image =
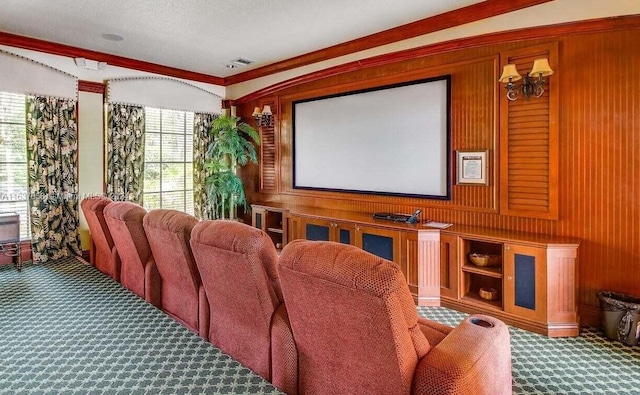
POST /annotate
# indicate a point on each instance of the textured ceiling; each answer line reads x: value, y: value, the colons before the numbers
x: 204, y: 35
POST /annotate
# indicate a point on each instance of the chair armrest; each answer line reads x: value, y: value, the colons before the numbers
x: 116, y: 263
x: 435, y: 332
x: 92, y: 252
x: 284, y: 354
x: 472, y: 359
x: 152, y: 284
x: 203, y: 313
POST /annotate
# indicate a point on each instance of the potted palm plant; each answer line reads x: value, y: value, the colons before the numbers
x: 232, y: 147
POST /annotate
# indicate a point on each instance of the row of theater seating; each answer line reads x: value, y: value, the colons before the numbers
x: 322, y: 318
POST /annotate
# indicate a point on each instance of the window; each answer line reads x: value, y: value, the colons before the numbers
x: 13, y: 159
x: 168, y: 160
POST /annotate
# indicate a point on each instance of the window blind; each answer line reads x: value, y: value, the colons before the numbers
x: 13, y: 159
x: 168, y: 153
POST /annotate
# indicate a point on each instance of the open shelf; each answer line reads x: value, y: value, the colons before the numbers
x: 475, y: 277
x: 275, y: 230
x: 475, y: 298
x: 484, y: 271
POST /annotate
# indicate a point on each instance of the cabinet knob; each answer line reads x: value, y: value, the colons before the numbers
x: 507, y: 248
x: 509, y: 278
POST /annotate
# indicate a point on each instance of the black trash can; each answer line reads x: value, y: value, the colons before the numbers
x: 620, y: 317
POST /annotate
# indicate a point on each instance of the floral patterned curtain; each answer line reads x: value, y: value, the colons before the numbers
x: 202, y: 138
x: 52, y: 151
x: 125, y: 152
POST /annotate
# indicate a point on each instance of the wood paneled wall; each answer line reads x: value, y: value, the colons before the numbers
x: 599, y: 150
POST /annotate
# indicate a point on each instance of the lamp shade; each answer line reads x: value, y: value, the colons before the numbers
x: 509, y: 71
x: 541, y: 68
x: 266, y: 110
x: 256, y: 111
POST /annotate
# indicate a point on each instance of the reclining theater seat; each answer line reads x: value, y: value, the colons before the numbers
x: 248, y: 321
x: 357, y: 331
x: 168, y: 232
x: 138, y: 270
x: 104, y: 255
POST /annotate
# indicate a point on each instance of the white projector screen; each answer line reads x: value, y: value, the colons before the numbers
x: 392, y: 140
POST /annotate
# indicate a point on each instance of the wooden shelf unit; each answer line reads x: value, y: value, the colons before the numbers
x: 535, y: 279
x: 406, y: 244
x: 272, y: 220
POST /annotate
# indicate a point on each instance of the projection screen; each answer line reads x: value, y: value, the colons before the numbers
x: 392, y: 140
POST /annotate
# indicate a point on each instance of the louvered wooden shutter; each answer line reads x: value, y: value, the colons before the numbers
x: 529, y: 142
x: 269, y: 150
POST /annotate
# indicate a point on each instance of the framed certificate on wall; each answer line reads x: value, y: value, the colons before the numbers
x: 472, y: 168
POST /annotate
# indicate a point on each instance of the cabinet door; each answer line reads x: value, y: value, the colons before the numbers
x: 384, y: 243
x: 525, y: 273
x: 449, y: 265
x: 294, y: 227
x: 316, y: 229
x: 343, y: 232
x: 409, y: 260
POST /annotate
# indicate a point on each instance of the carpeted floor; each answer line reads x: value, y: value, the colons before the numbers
x: 68, y: 329
x: 587, y: 364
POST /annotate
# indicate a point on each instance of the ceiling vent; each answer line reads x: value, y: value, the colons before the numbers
x: 239, y: 62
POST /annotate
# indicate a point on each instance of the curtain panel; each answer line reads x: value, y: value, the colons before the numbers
x: 52, y: 152
x: 125, y: 152
x: 202, y: 139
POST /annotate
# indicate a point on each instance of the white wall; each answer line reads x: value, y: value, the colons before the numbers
x: 90, y: 152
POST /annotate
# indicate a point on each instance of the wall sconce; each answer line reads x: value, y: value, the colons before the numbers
x: 530, y: 86
x: 263, y: 118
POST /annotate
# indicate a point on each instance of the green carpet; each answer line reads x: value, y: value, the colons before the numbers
x: 68, y: 329
x: 587, y: 364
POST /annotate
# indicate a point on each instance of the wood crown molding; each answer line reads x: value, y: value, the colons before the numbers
x: 34, y: 44
x: 472, y: 13
x: 92, y: 87
x: 563, y: 29
x: 226, y: 104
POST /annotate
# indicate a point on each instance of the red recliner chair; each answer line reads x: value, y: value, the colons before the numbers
x: 103, y: 254
x: 248, y: 321
x: 182, y: 295
x: 357, y: 331
x: 138, y: 270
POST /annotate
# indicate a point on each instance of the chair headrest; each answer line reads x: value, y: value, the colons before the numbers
x: 343, y: 264
x: 125, y: 211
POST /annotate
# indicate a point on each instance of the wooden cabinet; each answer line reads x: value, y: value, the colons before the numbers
x: 448, y: 266
x: 534, y: 279
x: 397, y: 242
x: 273, y: 221
x: 525, y: 281
x: 324, y: 229
x: 533, y: 276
